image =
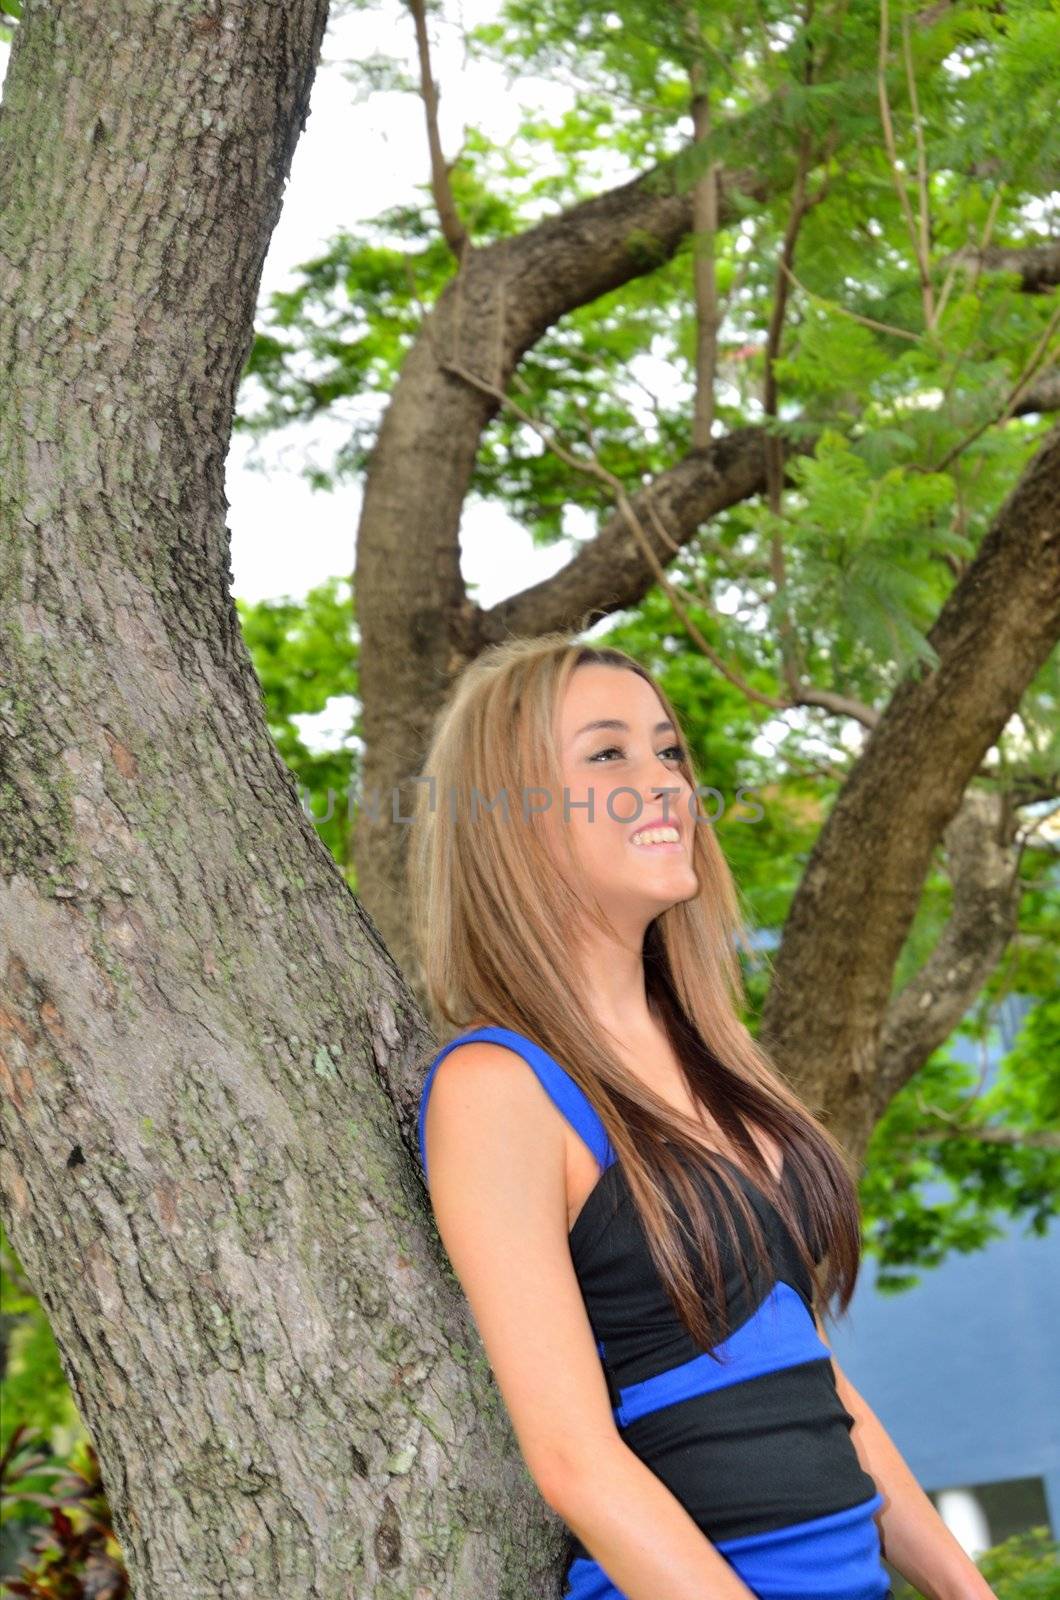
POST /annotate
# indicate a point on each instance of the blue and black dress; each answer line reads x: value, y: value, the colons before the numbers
x: 758, y: 1448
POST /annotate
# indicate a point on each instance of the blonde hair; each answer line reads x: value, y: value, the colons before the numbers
x: 491, y: 913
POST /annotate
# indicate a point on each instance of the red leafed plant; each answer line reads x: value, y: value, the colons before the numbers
x: 76, y: 1556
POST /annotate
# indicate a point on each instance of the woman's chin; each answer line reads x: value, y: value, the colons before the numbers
x: 681, y: 887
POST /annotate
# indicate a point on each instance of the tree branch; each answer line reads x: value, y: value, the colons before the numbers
x: 859, y: 893
x: 982, y: 860
x: 629, y: 513
x: 611, y: 572
x: 625, y: 535
x: 1032, y: 789
x: 615, y: 570
x: 1038, y: 265
x: 453, y: 229
x: 1029, y: 1138
x: 704, y: 230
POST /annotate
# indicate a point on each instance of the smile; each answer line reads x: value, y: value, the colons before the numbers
x: 661, y: 839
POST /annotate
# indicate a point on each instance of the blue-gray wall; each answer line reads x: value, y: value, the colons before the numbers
x: 964, y: 1369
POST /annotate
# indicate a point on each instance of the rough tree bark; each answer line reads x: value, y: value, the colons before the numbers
x: 202, y: 1037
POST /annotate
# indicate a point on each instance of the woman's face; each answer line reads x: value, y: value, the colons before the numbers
x: 626, y: 769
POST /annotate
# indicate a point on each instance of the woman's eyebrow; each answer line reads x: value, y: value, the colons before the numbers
x: 622, y: 727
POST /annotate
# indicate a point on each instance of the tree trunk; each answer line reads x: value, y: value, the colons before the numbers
x: 202, y: 1037
x: 418, y: 628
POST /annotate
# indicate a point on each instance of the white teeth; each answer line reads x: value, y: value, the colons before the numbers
x: 657, y: 836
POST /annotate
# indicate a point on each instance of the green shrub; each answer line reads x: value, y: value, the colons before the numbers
x: 1025, y: 1567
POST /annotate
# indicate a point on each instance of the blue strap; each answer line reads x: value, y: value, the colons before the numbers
x: 565, y: 1094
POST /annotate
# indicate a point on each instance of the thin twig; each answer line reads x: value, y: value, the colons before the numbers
x: 741, y: 565
x: 790, y: 662
x: 453, y: 230
x: 855, y: 316
x: 704, y: 244
x: 956, y: 260
x: 923, y: 266
x: 1022, y: 383
x: 921, y: 158
x: 790, y: 655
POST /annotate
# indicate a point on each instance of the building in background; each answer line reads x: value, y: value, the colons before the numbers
x: 964, y: 1369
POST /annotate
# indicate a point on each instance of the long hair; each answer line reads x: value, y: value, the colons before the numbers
x: 491, y: 912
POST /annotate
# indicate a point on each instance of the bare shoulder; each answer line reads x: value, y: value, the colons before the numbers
x: 490, y: 1088
x: 496, y: 1158
x: 494, y: 1140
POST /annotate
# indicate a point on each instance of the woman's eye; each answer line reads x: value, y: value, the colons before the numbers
x: 675, y: 751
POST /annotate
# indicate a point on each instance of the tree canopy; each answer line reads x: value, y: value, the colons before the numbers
x: 882, y: 301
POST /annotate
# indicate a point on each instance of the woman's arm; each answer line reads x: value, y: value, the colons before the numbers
x: 639, y: 1532
x: 496, y: 1158
x: 915, y: 1539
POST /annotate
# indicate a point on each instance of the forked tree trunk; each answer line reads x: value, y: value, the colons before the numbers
x: 202, y: 1037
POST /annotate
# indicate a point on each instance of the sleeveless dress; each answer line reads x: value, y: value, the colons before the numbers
x: 757, y: 1449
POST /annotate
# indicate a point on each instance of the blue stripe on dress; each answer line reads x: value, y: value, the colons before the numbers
x: 832, y: 1557
x: 835, y: 1557
x: 780, y: 1333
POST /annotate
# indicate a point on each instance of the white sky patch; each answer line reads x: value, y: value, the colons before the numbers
x: 285, y: 537
x: 329, y: 729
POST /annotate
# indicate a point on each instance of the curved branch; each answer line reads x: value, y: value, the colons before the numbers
x: 863, y: 882
x: 982, y: 858
x: 1038, y: 265
x: 618, y: 567
x: 611, y: 571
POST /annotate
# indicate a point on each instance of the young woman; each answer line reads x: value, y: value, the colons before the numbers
x: 646, y: 1220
